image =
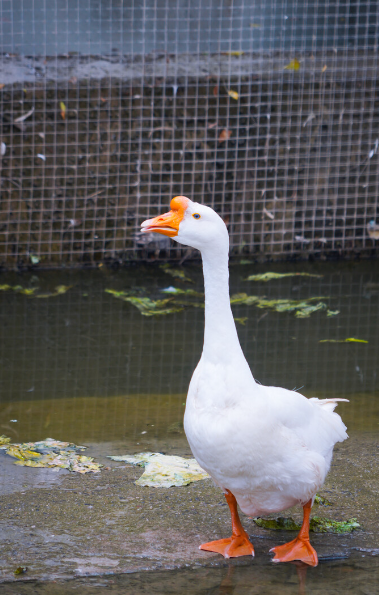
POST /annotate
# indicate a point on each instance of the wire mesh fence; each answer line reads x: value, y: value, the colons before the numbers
x: 269, y: 112
x: 86, y: 366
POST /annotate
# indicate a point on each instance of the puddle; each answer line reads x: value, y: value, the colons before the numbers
x: 88, y: 368
x: 358, y: 576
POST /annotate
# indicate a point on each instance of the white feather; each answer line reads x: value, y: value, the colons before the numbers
x: 269, y: 446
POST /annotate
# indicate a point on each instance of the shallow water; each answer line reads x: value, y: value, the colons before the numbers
x: 358, y: 576
x: 86, y: 367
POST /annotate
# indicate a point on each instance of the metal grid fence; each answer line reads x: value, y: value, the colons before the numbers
x: 269, y: 112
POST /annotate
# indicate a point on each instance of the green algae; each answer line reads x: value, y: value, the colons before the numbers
x: 177, y: 291
x: 146, y: 305
x: 175, y: 272
x: 241, y: 320
x: 269, y: 276
x: 33, y: 291
x: 317, y: 525
x: 302, y: 308
x: 321, y: 500
x: 149, y: 307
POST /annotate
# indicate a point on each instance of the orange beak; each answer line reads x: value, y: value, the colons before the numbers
x: 168, y: 223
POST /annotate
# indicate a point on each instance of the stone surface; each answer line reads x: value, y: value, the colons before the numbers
x: 65, y: 525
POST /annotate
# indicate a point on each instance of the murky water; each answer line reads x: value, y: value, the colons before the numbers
x: 359, y: 576
x: 86, y: 367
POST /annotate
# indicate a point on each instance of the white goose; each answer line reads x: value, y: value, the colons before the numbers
x: 266, y: 447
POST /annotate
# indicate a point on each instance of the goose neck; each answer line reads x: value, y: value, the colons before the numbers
x: 220, y: 335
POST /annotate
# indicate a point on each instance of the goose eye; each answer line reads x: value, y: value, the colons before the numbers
x: 196, y: 216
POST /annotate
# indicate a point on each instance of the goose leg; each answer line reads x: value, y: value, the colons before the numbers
x: 236, y: 545
x: 300, y: 547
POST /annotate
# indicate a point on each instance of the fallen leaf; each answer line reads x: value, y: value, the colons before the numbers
x: 34, y: 259
x: 254, y: 25
x: 43, y: 157
x: 293, y: 65
x: 233, y: 94
x: 164, y: 471
x: 224, y: 135
x: 268, y: 214
x: 348, y: 340
x: 324, y: 68
x: 373, y: 230
x: 73, y: 80
x: 20, y: 570
x: 212, y: 125
x: 233, y: 53
x: 2, y: 85
x: 24, y: 116
x: 215, y: 91
x: 268, y: 276
x: 59, y: 290
x: 63, y: 110
x: 331, y: 313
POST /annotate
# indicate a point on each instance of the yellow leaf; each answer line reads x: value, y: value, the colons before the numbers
x: 233, y: 94
x: 234, y: 53
x: 293, y: 65
x: 63, y: 110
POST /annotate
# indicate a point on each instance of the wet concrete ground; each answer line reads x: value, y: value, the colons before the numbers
x: 63, y: 525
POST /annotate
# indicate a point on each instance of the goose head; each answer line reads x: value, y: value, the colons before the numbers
x: 191, y: 224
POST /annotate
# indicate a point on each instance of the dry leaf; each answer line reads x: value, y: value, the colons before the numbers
x: 293, y: 65
x: 215, y: 91
x: 224, y: 135
x: 73, y: 80
x: 233, y: 94
x: 212, y: 125
x: 268, y: 214
x: 324, y: 68
x: 2, y: 85
x: 63, y: 110
x: 24, y: 116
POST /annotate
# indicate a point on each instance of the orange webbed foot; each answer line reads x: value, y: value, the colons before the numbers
x: 297, y: 549
x: 231, y: 547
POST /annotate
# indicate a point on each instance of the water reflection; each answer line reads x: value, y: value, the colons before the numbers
x: 358, y: 576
